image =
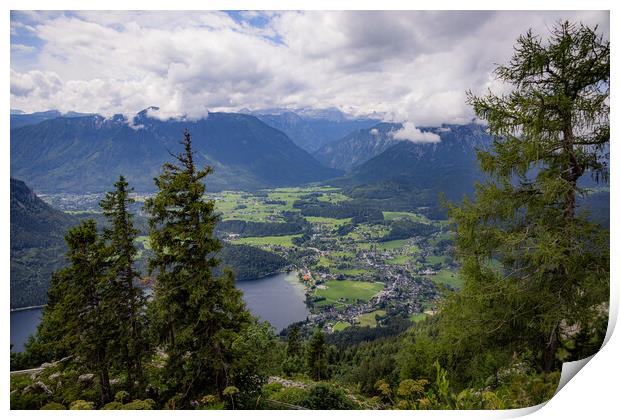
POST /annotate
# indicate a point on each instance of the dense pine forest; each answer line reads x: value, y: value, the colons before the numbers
x: 535, y: 272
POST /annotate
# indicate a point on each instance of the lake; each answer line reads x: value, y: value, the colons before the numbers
x: 278, y: 298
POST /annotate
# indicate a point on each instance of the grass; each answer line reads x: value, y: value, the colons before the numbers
x: 449, y: 278
x: 368, y: 319
x: 393, y: 215
x: 350, y: 271
x: 436, y: 259
x: 343, y: 292
x: 325, y: 262
x: 285, y: 240
x: 395, y: 244
x: 399, y: 260
x: 334, y: 197
x: 328, y: 221
x: 341, y: 325
x: 417, y: 317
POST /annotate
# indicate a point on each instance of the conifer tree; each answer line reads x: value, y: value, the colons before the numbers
x: 123, y: 295
x: 79, y: 320
x: 550, y: 132
x: 317, y: 356
x: 197, y: 314
x: 293, y: 348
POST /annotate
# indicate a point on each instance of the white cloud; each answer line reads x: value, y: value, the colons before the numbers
x: 21, y: 48
x: 374, y: 132
x: 413, y: 134
x: 404, y: 66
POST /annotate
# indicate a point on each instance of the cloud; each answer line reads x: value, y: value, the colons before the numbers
x: 402, y: 66
x: 413, y: 134
x: 21, y: 48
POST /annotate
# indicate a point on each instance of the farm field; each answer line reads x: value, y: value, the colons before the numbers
x: 400, y: 260
x: 341, y: 325
x: 285, y: 240
x: 389, y: 245
x: 418, y: 317
x: 448, y: 277
x: 328, y: 221
x: 340, y: 292
x: 394, y: 215
x: 368, y: 319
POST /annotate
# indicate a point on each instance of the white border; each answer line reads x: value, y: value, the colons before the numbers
x: 592, y: 394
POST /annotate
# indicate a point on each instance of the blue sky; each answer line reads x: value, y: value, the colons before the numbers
x: 405, y: 66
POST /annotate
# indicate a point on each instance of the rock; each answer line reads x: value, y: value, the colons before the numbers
x: 47, y: 365
x: 54, y: 376
x: 87, y: 377
x: 37, y: 388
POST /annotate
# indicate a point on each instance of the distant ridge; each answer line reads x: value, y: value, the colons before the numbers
x: 87, y: 153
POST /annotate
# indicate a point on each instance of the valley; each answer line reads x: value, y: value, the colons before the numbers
x: 356, y: 269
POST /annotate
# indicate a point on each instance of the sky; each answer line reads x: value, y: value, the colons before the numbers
x: 405, y: 66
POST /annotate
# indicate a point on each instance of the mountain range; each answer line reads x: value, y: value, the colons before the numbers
x: 311, y: 132
x: 82, y: 154
x: 358, y: 146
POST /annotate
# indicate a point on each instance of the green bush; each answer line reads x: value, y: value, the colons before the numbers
x: 294, y: 396
x: 270, y: 389
x: 147, y: 404
x: 121, y: 396
x: 326, y: 397
x: 114, y: 405
x: 81, y: 405
x: 53, y: 406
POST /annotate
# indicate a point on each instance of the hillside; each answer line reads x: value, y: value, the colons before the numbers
x: 19, y: 119
x: 86, y: 154
x: 314, y: 132
x: 358, y: 146
x: 37, y: 245
x: 408, y: 175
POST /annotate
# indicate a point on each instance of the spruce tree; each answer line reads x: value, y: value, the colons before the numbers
x: 293, y: 348
x: 550, y: 132
x: 79, y: 320
x: 317, y: 356
x: 197, y: 314
x: 123, y: 295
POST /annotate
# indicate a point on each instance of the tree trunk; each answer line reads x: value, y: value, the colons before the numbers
x: 550, y: 351
x: 104, y: 378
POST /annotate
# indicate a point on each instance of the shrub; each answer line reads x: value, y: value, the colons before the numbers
x: 121, y: 396
x: 326, y: 397
x: 294, y: 396
x: 147, y: 404
x: 271, y: 389
x: 81, y: 405
x: 53, y: 406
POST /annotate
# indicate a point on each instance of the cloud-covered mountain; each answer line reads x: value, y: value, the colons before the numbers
x: 358, y: 146
x: 20, y: 119
x: 86, y: 154
x: 311, y: 132
x: 449, y: 166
